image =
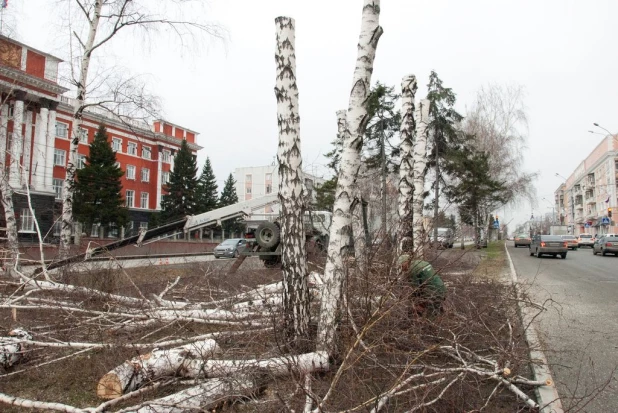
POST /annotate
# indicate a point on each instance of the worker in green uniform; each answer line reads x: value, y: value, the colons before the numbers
x: 430, y: 289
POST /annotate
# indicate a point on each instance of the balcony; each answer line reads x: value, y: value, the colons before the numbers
x: 579, y: 219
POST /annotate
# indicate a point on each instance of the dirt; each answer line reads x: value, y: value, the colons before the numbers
x: 478, y: 312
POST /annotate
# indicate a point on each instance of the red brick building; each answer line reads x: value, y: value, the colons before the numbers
x: 35, y: 128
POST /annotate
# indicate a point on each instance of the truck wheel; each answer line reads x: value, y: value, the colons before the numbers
x: 563, y: 255
x: 267, y: 235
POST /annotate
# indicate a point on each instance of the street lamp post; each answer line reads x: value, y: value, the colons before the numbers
x: 553, y: 210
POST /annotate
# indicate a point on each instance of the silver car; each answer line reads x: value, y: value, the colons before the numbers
x: 548, y: 245
x: 606, y: 245
x: 230, y: 248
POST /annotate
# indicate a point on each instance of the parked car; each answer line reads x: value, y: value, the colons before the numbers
x: 572, y: 241
x: 585, y: 240
x: 606, y: 245
x: 522, y: 239
x: 548, y: 245
x: 230, y: 248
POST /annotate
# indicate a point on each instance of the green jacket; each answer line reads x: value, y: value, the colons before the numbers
x: 421, y: 274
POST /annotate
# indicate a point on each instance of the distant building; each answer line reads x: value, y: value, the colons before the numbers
x: 585, y: 199
x: 35, y: 132
x: 256, y: 181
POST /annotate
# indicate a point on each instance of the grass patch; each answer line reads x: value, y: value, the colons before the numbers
x: 493, y: 261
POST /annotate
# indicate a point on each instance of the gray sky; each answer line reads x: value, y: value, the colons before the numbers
x: 559, y: 50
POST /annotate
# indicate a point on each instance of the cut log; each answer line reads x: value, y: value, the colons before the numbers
x: 199, y: 398
x: 11, y: 350
x: 277, y: 366
x: 133, y: 373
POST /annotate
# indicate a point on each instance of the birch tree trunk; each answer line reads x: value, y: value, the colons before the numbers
x: 406, y: 171
x: 291, y: 189
x: 11, y: 223
x: 419, y: 164
x: 78, y: 108
x: 358, y: 227
x: 350, y: 163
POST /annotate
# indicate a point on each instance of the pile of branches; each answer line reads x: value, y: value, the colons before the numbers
x: 160, y: 353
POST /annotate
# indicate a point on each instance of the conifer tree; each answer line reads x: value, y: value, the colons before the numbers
x: 98, y: 189
x: 229, y: 197
x: 181, y: 198
x: 207, y: 193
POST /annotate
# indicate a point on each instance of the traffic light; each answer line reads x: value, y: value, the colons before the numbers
x: 609, y: 212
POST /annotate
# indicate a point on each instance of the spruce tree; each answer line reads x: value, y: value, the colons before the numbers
x: 98, y: 189
x: 180, y: 199
x: 229, y: 197
x: 207, y: 193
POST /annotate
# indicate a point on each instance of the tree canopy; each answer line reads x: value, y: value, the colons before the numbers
x: 229, y: 197
x: 181, y: 199
x: 98, y: 188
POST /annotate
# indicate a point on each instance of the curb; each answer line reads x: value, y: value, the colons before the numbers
x: 547, y: 396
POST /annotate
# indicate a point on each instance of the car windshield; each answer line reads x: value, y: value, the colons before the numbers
x: 522, y: 236
x: 610, y: 239
x: 230, y: 241
x: 585, y: 236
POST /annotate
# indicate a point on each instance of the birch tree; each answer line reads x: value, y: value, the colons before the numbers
x: 291, y: 189
x: 11, y: 223
x: 350, y: 163
x: 103, y: 20
x: 419, y: 165
x: 406, y: 168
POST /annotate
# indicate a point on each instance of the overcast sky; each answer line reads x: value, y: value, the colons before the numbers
x: 561, y: 51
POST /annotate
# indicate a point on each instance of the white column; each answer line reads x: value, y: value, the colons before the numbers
x: 40, y: 143
x: 4, y: 121
x: 16, y: 142
x: 27, y: 149
x: 159, y: 173
x: 50, y: 138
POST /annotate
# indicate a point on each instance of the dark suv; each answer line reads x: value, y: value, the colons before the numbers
x: 548, y: 245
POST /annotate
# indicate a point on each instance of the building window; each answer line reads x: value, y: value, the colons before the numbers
x: 130, y: 196
x: 165, y: 178
x: 82, y: 134
x: 118, y: 165
x: 57, y: 228
x: 146, y: 152
x: 248, y: 178
x: 57, y: 185
x: 11, y: 109
x: 167, y: 156
x: 112, y: 231
x: 81, y: 161
x: 143, y: 202
x: 247, y: 190
x: 132, y: 148
x: 27, y: 221
x: 60, y: 157
x: 117, y: 144
x: 143, y: 225
x: 94, y: 232
x: 62, y: 130
x: 130, y: 172
x: 269, y: 188
x: 145, y: 175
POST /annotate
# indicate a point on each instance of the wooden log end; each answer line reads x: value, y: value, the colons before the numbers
x: 109, y: 387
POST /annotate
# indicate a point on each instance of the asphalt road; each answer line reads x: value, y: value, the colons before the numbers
x: 579, y: 330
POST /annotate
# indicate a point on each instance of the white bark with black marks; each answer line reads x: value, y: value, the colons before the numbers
x: 78, y: 109
x: 419, y: 164
x: 17, y: 141
x: 134, y: 373
x: 357, y: 119
x: 358, y: 227
x: 12, y: 242
x: 406, y: 169
x: 291, y: 188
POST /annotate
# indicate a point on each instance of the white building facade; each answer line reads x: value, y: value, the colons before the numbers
x: 257, y: 181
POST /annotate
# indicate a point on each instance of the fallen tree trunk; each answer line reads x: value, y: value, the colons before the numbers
x: 133, y: 373
x: 11, y: 351
x: 201, y: 397
x: 276, y: 366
